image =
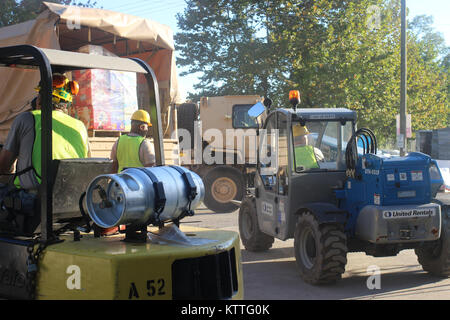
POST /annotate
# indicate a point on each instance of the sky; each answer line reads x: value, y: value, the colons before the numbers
x: 165, y: 11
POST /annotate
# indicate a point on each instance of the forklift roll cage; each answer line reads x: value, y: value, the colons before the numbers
x: 50, y: 61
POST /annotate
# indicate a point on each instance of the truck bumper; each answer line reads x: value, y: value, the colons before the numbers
x: 399, y: 224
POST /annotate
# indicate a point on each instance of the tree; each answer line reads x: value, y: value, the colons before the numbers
x: 230, y: 43
x: 354, y: 62
x: 17, y: 11
x: 338, y: 53
x: 445, y: 65
x: 428, y: 81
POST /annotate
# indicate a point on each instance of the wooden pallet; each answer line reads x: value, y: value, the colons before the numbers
x: 105, y: 133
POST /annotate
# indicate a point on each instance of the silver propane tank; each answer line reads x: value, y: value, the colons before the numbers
x: 143, y: 196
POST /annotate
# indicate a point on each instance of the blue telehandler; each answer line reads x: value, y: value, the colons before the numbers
x: 322, y: 182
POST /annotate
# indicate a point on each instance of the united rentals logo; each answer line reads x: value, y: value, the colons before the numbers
x: 409, y: 213
x: 387, y: 214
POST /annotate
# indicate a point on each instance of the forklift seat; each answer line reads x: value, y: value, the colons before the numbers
x: 71, y: 181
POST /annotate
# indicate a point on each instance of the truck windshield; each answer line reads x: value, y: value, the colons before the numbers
x: 241, y: 119
x: 320, y: 145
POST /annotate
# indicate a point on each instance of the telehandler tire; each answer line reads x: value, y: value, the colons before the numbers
x: 435, y: 258
x: 320, y: 250
x: 251, y: 236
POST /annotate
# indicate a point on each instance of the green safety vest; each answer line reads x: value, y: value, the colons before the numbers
x: 305, y: 156
x: 128, y: 152
x: 69, y: 140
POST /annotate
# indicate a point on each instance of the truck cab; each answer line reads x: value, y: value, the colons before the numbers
x: 218, y: 141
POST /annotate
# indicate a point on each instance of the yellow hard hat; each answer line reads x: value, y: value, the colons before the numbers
x: 62, y: 88
x: 141, y: 115
x: 299, y: 130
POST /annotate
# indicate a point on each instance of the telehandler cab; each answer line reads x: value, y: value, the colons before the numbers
x: 54, y: 254
x: 323, y: 184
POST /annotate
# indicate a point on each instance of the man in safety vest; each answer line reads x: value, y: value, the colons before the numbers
x: 70, y: 138
x: 133, y: 149
x: 306, y: 156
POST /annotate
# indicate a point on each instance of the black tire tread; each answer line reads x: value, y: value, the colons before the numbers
x: 259, y: 240
x: 332, y: 252
x: 438, y: 265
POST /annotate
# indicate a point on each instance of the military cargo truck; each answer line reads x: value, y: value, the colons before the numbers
x: 218, y: 142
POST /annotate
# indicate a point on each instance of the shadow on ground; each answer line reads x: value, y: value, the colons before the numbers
x: 273, y: 275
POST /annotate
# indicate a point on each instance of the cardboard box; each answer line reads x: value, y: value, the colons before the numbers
x: 106, y: 99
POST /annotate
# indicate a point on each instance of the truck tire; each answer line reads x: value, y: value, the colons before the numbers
x: 252, y: 237
x: 320, y: 250
x: 223, y: 184
x: 435, y: 258
x: 187, y: 114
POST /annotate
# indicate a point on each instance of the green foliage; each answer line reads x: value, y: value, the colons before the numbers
x: 337, y: 53
x: 231, y: 43
x: 17, y: 11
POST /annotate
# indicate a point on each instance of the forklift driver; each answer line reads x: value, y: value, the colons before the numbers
x: 70, y: 140
x: 306, y: 156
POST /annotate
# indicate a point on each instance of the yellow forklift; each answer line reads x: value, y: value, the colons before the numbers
x: 58, y: 254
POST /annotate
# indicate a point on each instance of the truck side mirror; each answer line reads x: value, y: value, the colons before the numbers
x: 256, y: 110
